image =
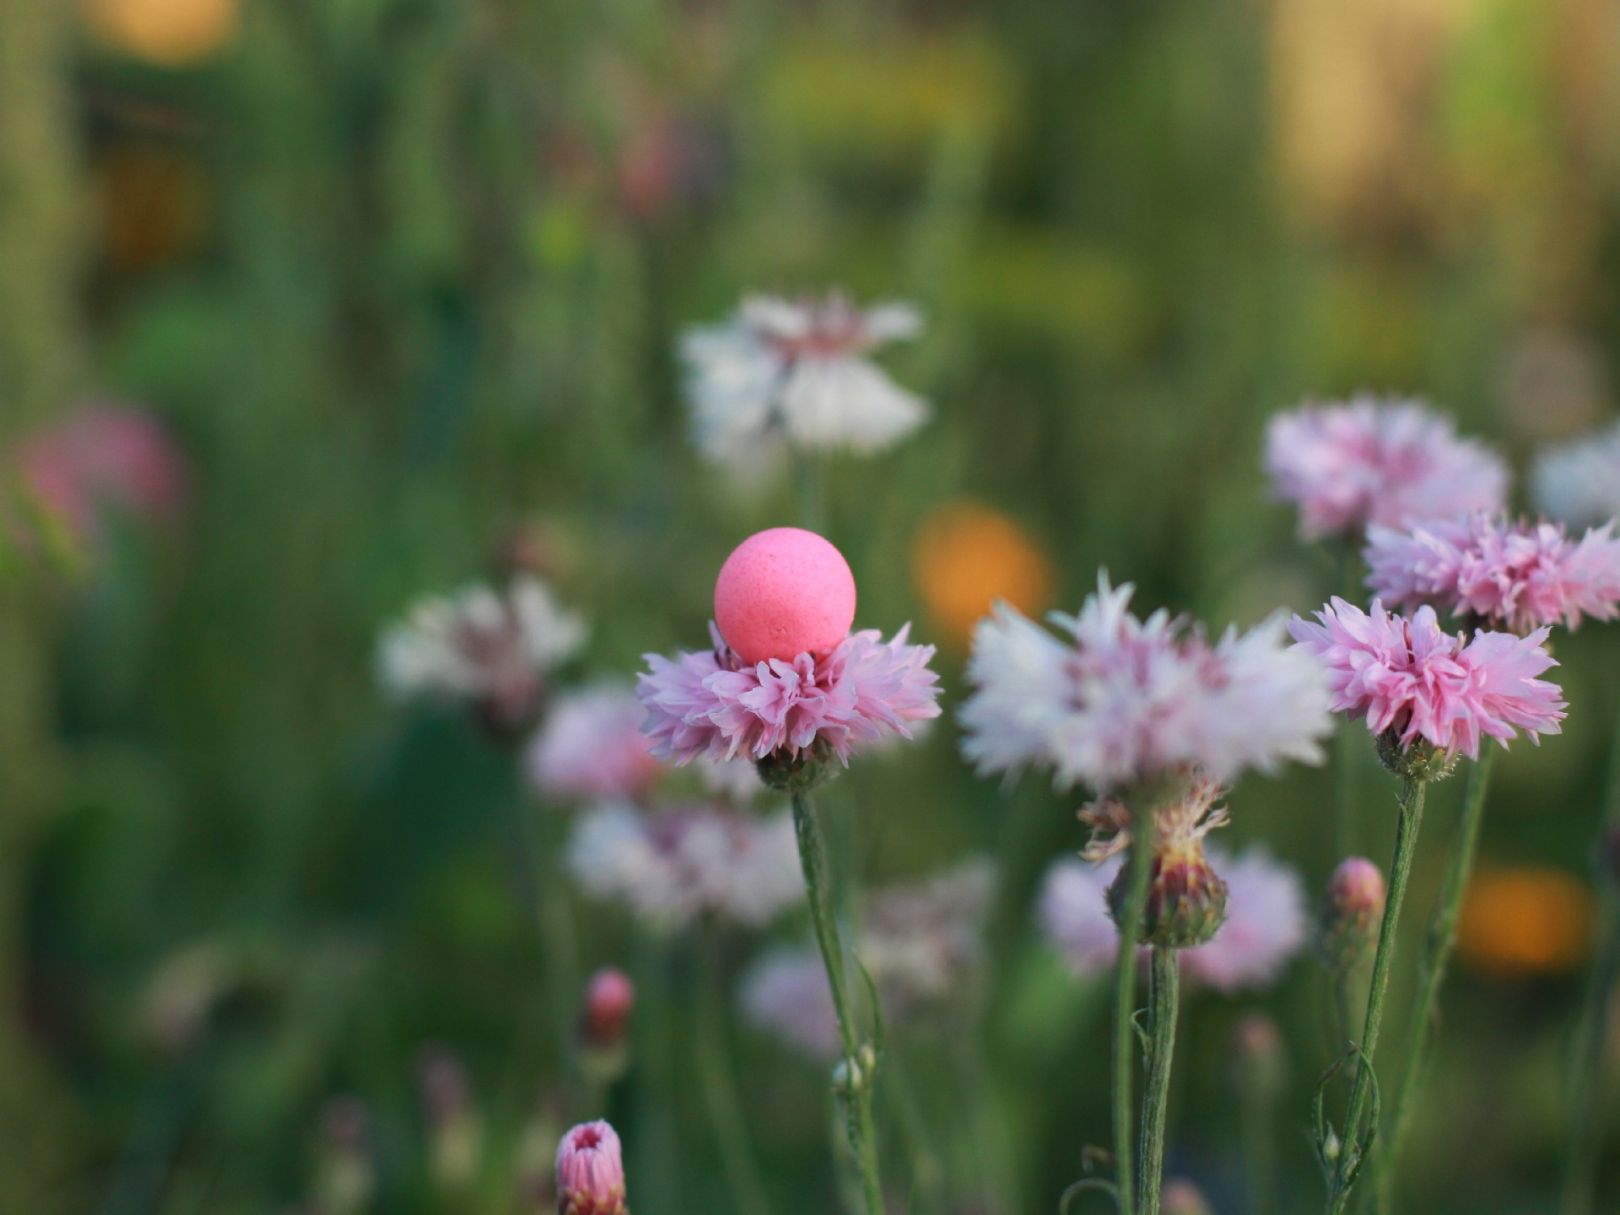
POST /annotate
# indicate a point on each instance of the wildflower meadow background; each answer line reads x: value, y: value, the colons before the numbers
x: 383, y: 385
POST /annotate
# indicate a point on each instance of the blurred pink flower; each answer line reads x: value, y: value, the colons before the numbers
x: 796, y: 374
x: 105, y: 456
x: 1378, y: 460
x: 713, y: 704
x: 1515, y: 574
x: 786, y: 993
x: 1130, y: 698
x: 605, y: 1013
x: 591, y: 746
x: 674, y: 865
x: 1265, y: 921
x: 1409, y: 676
x: 590, y: 1172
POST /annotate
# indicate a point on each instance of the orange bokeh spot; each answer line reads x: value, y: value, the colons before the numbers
x: 169, y: 33
x: 968, y: 555
x: 1527, y: 920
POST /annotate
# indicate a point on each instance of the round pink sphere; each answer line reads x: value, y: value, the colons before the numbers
x: 782, y: 593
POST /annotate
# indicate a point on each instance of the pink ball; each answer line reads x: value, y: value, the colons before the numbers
x: 782, y: 593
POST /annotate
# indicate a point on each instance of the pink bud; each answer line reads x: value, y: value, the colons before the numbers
x: 609, y: 997
x: 784, y: 592
x: 1351, y: 913
x: 1182, y: 1197
x: 590, y: 1172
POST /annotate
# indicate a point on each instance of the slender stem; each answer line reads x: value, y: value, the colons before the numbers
x: 855, y: 1090
x: 1400, y: 869
x: 720, y: 1085
x: 1257, y: 1102
x: 1584, y: 1131
x: 1162, y: 1002
x: 1139, y: 864
x: 1438, y: 943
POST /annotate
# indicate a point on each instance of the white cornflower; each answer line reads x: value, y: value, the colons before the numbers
x: 1578, y: 483
x: 796, y: 374
x: 481, y: 647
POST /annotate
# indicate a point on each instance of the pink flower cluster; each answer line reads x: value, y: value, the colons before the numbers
x: 1266, y: 922
x: 1410, y: 676
x: 1130, y: 698
x: 1515, y: 574
x: 1373, y: 460
x: 715, y: 705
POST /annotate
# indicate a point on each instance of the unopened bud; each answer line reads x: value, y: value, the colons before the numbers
x: 590, y: 1172
x: 1182, y: 1197
x: 453, y: 1124
x: 1351, y: 914
x: 1186, y: 900
x: 604, y: 1020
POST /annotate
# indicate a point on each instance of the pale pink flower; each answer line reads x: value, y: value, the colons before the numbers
x: 590, y: 1171
x: 1265, y: 921
x: 919, y: 942
x: 591, y: 747
x: 796, y: 374
x: 104, y: 456
x: 674, y: 865
x: 1515, y: 574
x: 1378, y: 460
x: 1409, y: 676
x: 713, y: 704
x: 1129, y: 698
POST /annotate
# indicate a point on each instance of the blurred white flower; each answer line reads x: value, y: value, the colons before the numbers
x: 481, y: 647
x: 672, y: 866
x: 1579, y: 482
x: 795, y: 374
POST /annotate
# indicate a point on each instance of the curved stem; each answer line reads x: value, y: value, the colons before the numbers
x: 1584, y: 1130
x: 1437, y: 948
x: 720, y: 1085
x: 855, y: 1091
x: 1138, y: 866
x: 1400, y: 869
x: 1162, y: 1002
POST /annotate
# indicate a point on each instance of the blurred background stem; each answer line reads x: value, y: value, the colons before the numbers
x: 714, y: 1054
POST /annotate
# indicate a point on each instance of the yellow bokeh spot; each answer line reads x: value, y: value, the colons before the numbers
x: 966, y: 557
x: 170, y: 33
x: 1526, y: 920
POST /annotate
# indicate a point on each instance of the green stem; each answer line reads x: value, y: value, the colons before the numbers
x: 720, y: 1085
x: 1139, y: 865
x: 1162, y: 1001
x: 1257, y: 1099
x: 1584, y: 1131
x: 1437, y: 948
x: 856, y: 1080
x: 1400, y: 870
x: 545, y: 902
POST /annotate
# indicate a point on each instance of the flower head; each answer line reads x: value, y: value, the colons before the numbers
x: 1128, y: 699
x: 481, y: 647
x: 715, y: 705
x: 796, y: 374
x: 1373, y: 460
x: 1352, y: 910
x: 674, y: 865
x: 1513, y: 574
x: 1579, y: 482
x: 1264, y: 927
x: 590, y: 1172
x: 1410, y: 678
x: 919, y: 943
x: 591, y: 747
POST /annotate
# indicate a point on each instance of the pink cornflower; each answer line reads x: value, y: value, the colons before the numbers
x: 1515, y: 574
x: 1377, y: 460
x: 604, y: 1014
x: 1265, y: 923
x: 591, y: 747
x: 1128, y: 699
x: 590, y: 1172
x: 1409, y: 677
x: 714, y: 705
x: 676, y: 864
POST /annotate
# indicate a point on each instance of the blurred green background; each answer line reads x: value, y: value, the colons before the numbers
x: 403, y: 280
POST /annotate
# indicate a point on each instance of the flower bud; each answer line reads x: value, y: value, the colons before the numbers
x: 590, y: 1172
x: 603, y: 1023
x: 1186, y: 900
x: 1352, y: 911
x: 1182, y: 1197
